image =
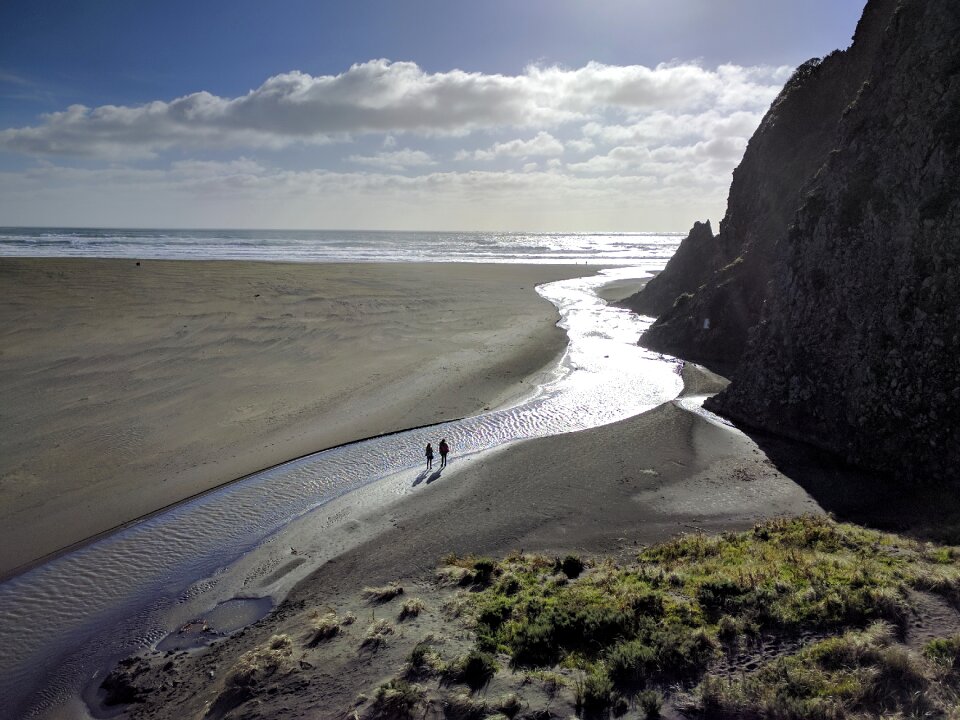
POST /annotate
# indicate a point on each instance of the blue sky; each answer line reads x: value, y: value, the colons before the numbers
x: 525, y: 114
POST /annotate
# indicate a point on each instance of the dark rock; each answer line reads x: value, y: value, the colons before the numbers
x: 688, y: 269
x: 841, y: 294
x: 729, y: 283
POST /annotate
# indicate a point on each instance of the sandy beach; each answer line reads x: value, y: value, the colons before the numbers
x: 606, y: 491
x: 128, y: 386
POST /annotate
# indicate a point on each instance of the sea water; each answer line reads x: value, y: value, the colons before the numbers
x: 343, y: 245
x: 63, y: 622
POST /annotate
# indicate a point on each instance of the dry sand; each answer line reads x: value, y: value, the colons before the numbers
x: 129, y: 387
x: 599, y: 492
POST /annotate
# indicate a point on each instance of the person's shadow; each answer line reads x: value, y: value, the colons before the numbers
x: 435, y: 476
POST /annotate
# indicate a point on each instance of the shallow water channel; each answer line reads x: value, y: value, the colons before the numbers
x: 63, y: 622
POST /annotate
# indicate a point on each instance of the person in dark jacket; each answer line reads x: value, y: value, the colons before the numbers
x: 429, y: 454
x: 444, y: 449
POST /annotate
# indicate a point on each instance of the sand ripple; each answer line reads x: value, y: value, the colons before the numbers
x: 67, y: 619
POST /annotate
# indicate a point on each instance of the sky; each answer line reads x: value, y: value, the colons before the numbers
x: 552, y: 115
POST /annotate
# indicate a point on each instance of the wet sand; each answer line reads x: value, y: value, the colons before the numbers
x: 604, y: 491
x: 129, y: 387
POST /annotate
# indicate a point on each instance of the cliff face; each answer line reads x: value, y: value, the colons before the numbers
x: 729, y: 280
x: 688, y: 269
x: 858, y: 344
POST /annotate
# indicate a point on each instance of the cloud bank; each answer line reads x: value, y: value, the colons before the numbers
x: 388, y: 145
x: 391, y: 97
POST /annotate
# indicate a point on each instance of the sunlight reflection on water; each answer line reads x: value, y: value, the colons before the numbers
x: 65, y: 620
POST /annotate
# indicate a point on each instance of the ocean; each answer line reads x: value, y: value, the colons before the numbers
x: 648, y: 250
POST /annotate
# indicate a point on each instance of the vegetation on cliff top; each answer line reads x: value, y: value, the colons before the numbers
x: 681, y: 614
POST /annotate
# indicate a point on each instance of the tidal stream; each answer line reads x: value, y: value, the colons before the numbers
x: 63, y: 622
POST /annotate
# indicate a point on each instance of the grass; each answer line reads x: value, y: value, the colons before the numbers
x: 475, y: 669
x: 861, y: 673
x: 254, y: 667
x: 382, y: 594
x: 376, y: 635
x: 397, y: 699
x: 324, y: 627
x: 629, y: 629
x: 411, y: 608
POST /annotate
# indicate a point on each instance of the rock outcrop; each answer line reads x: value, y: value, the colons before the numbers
x: 730, y: 282
x: 848, y: 331
x: 688, y: 269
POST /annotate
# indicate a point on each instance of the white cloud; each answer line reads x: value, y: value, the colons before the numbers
x: 542, y: 145
x: 530, y: 166
x: 252, y: 195
x: 380, y: 96
x: 395, y: 160
x: 582, y: 145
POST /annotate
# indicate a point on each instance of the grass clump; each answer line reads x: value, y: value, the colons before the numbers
x: 595, y: 692
x: 469, y: 570
x: 377, y: 633
x: 397, y: 699
x: 510, y: 705
x: 411, y: 608
x: 255, y: 666
x: 324, y: 627
x: 423, y: 660
x: 382, y: 594
x: 462, y: 707
x: 945, y: 652
x: 861, y: 673
x: 475, y: 669
x: 650, y: 703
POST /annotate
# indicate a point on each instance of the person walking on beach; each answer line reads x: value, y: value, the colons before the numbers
x: 444, y: 449
x: 429, y: 453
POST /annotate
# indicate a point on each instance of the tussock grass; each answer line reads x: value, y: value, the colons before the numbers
x: 323, y: 628
x: 462, y: 707
x: 475, y: 669
x: 397, y: 699
x: 382, y: 594
x: 255, y: 666
x: 411, y: 608
x: 650, y: 703
x: 510, y: 705
x: 377, y: 633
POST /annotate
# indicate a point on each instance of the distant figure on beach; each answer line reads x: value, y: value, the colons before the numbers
x: 429, y: 453
x: 444, y: 449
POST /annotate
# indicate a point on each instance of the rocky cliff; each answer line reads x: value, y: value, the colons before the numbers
x: 728, y: 283
x: 846, y: 301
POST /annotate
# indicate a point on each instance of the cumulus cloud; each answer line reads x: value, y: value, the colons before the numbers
x: 380, y: 96
x: 394, y: 160
x: 542, y: 145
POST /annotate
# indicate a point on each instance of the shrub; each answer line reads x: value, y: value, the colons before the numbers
x: 572, y: 566
x: 597, y: 691
x: 475, y: 669
x: 629, y: 663
x: 650, y: 702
